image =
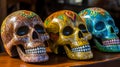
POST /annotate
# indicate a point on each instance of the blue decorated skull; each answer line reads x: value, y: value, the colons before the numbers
x: 102, y: 26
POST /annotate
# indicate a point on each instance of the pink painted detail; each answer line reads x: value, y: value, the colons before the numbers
x: 54, y: 36
x: 71, y: 15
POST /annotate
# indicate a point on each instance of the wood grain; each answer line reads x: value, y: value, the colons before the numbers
x: 63, y: 61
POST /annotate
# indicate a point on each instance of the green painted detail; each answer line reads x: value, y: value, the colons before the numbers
x: 93, y: 13
x: 60, y: 17
x: 46, y: 22
x: 28, y: 14
x: 1, y: 31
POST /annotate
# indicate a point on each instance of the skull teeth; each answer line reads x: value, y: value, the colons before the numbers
x: 37, y: 50
x: 83, y: 48
x: 111, y: 42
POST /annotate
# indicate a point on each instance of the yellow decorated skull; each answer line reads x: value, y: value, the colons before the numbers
x: 68, y: 34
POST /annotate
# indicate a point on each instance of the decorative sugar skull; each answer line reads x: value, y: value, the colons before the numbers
x: 23, y: 34
x: 103, y: 29
x: 68, y: 31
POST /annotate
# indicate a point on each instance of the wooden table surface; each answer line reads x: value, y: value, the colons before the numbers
x: 100, y: 60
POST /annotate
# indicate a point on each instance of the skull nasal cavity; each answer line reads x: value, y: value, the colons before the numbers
x: 35, y: 35
x: 80, y: 34
x: 111, y: 29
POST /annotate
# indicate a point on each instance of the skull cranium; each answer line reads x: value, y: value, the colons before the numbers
x: 67, y: 30
x: 103, y: 28
x: 23, y: 34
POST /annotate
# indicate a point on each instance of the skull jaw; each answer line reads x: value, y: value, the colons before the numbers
x: 78, y: 55
x: 32, y: 58
x: 109, y: 48
x: 12, y: 53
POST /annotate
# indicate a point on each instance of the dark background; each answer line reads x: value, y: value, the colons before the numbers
x: 45, y: 7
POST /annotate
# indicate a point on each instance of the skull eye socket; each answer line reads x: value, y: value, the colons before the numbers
x: 39, y: 29
x: 67, y: 31
x: 83, y: 28
x: 22, y: 30
x: 110, y: 22
x: 99, y: 25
